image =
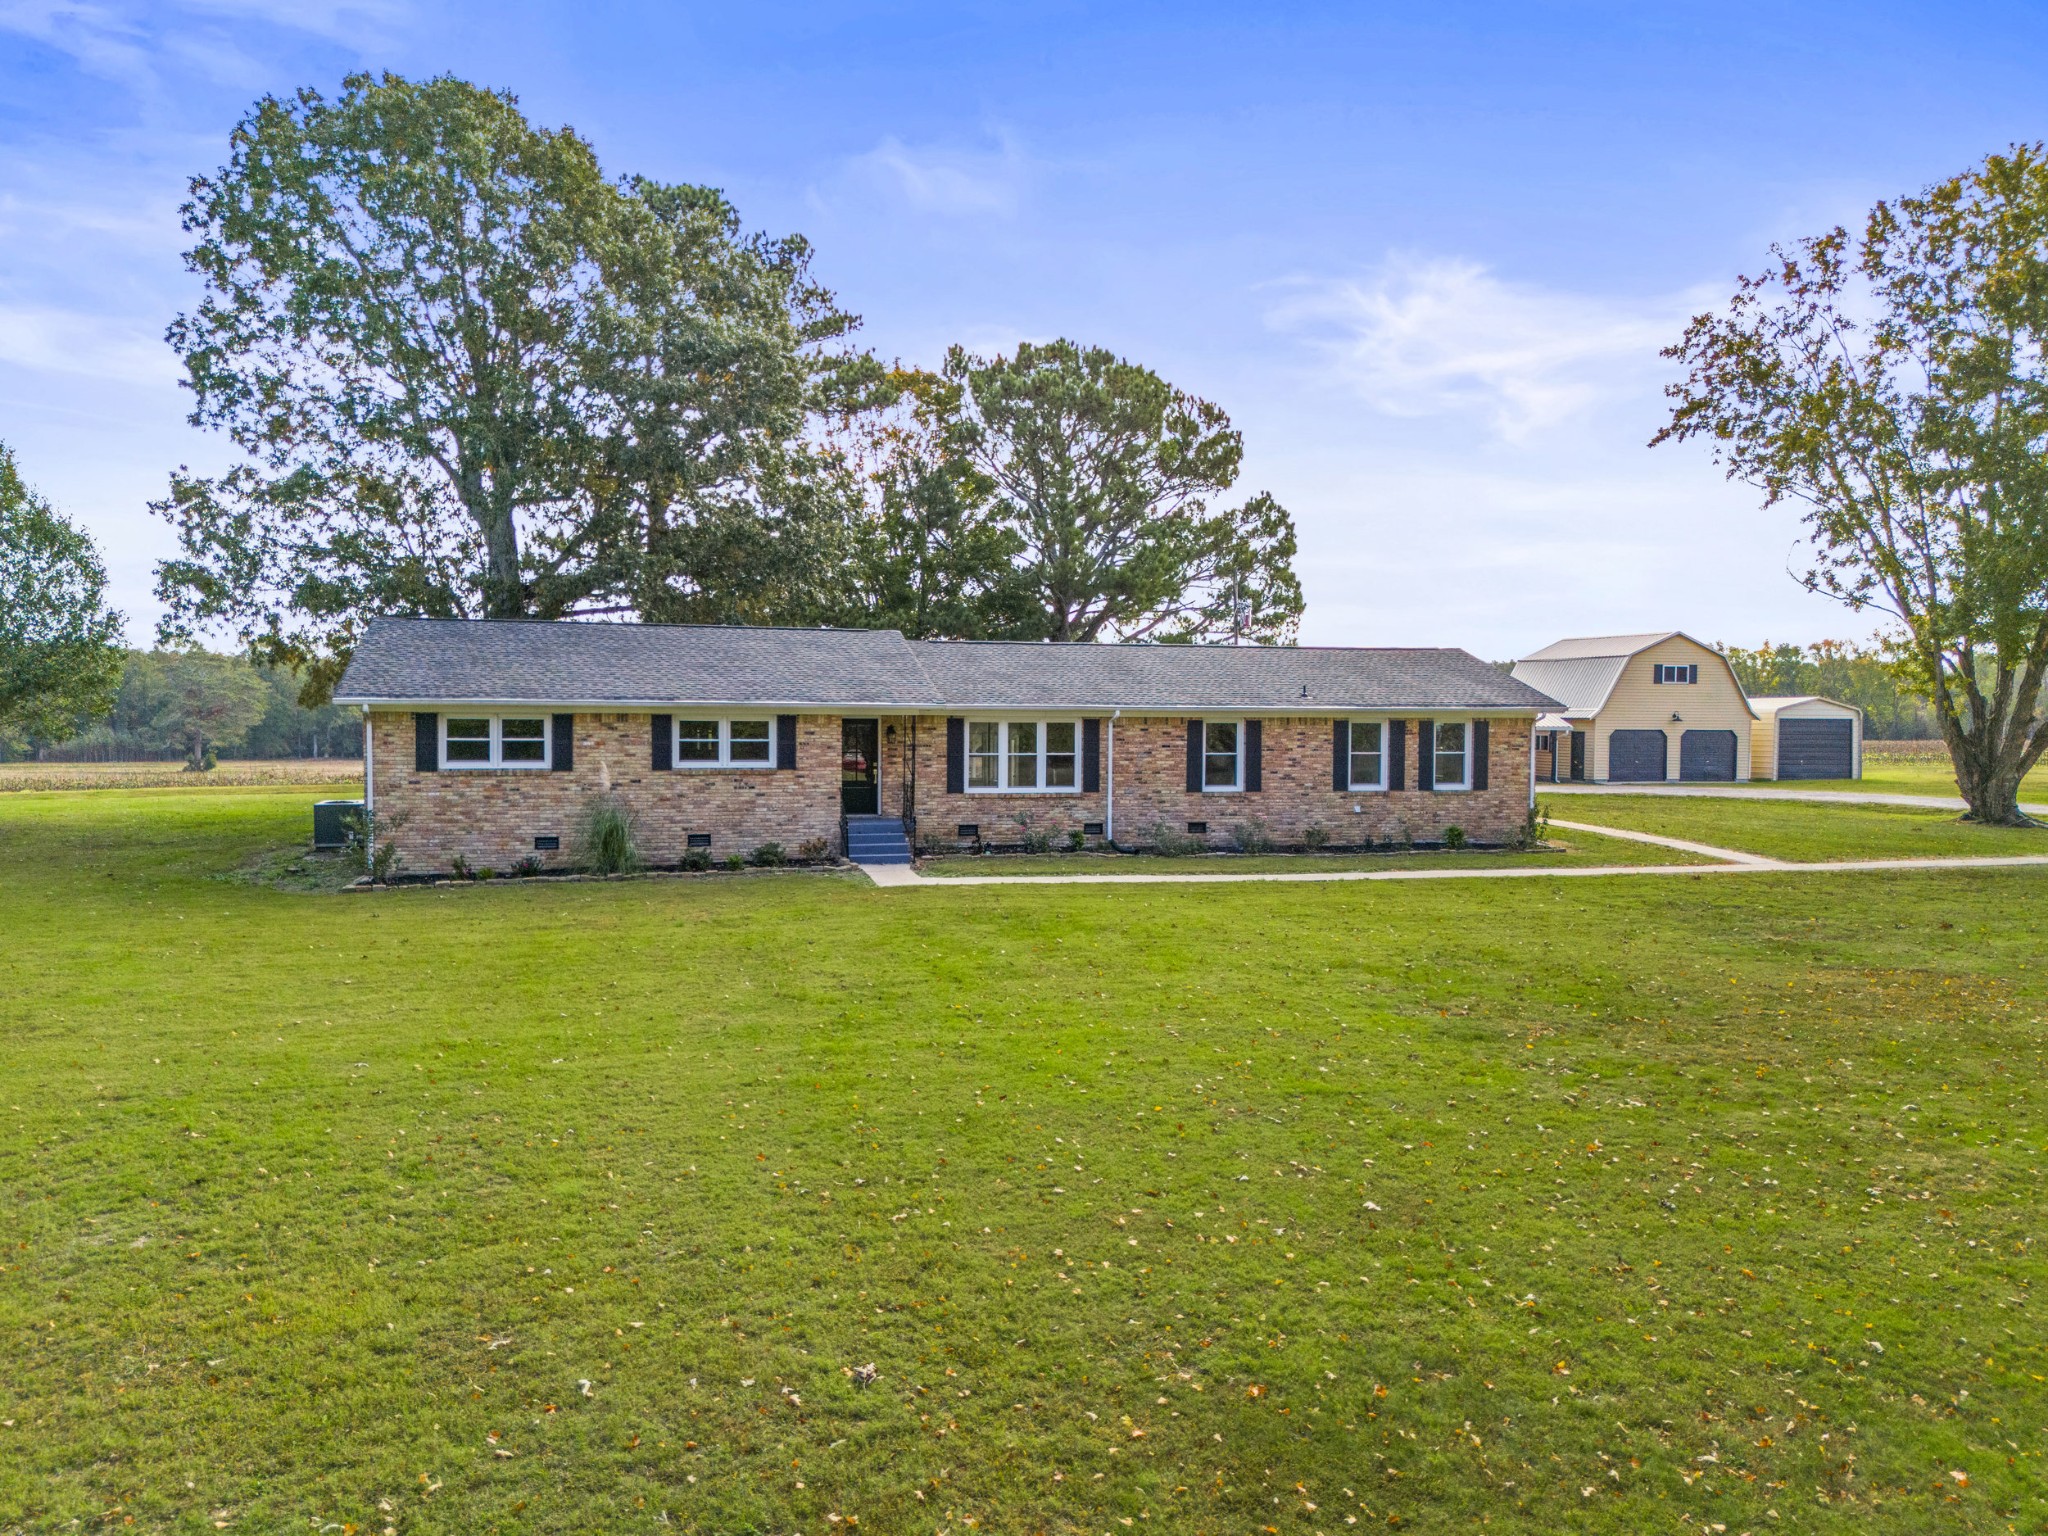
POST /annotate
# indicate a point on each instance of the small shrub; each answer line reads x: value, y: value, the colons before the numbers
x: 459, y: 867
x: 1170, y: 842
x: 1251, y: 837
x: 371, y: 850
x: 768, y: 856
x: 1077, y: 840
x: 1037, y: 842
x: 1313, y: 838
x: 735, y: 863
x: 487, y: 873
x: 1535, y: 828
x: 528, y: 867
x: 931, y: 844
x: 607, y: 839
x: 697, y: 858
x: 1454, y: 838
x: 814, y: 850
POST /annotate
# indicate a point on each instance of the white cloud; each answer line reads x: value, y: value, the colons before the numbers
x: 92, y: 346
x: 956, y: 182
x: 1446, y: 337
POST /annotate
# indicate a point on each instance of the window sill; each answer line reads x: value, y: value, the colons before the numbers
x: 722, y: 768
x: 1054, y: 790
x: 1367, y: 789
x: 495, y: 767
x: 1223, y: 789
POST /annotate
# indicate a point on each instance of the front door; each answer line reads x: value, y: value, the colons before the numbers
x: 860, y: 792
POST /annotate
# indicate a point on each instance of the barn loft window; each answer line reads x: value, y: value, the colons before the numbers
x: 1665, y: 672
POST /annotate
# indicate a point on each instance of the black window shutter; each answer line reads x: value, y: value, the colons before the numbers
x: 1091, y: 757
x: 785, y: 741
x: 664, y: 741
x: 1340, y: 756
x: 1397, y: 754
x: 1425, y: 754
x: 426, y: 742
x: 563, y: 758
x: 1254, y: 754
x: 956, y: 755
x: 1481, y: 743
x: 1194, y: 757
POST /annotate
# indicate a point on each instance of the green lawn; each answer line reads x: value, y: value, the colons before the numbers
x: 1805, y: 833
x: 1910, y: 776
x: 1570, y: 848
x: 1603, y: 1206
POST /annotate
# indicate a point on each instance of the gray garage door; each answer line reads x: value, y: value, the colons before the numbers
x: 1635, y: 757
x: 1816, y: 749
x: 1707, y: 755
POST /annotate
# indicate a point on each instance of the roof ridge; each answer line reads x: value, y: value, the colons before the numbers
x: 629, y: 624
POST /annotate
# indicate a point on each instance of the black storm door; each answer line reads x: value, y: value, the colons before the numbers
x: 859, y: 772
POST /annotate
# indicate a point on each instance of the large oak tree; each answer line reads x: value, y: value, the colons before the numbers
x: 1110, y: 479
x: 470, y: 375
x: 1894, y: 383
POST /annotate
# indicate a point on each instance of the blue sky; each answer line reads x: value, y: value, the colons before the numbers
x: 1424, y: 255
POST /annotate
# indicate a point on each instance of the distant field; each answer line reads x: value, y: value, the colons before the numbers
x: 229, y: 775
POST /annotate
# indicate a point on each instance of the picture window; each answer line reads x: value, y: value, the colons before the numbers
x: 744, y: 742
x: 495, y: 741
x: 1023, y: 756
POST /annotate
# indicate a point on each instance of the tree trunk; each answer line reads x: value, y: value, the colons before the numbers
x: 1990, y: 759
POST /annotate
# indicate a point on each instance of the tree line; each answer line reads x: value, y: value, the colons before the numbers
x: 1894, y: 703
x: 199, y: 706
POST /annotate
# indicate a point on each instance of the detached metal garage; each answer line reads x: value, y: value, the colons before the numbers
x: 1806, y: 737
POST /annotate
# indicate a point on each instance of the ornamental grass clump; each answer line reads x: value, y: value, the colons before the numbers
x: 608, y: 839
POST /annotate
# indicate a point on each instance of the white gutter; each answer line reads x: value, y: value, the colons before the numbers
x: 369, y: 794
x: 830, y: 707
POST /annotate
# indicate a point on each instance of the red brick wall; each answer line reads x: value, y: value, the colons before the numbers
x: 1151, y: 789
x: 491, y: 817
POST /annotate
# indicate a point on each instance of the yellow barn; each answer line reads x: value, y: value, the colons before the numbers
x: 1639, y: 709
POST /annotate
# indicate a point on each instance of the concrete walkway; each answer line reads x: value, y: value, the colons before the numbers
x: 1757, y: 792
x: 1725, y: 855
x: 1737, y: 864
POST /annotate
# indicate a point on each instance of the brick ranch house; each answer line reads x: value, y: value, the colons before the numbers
x: 488, y: 739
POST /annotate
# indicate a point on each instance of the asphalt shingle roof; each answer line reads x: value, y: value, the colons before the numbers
x: 473, y: 661
x: 425, y: 661
x: 1313, y: 679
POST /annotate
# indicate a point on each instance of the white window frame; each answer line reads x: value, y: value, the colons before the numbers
x: 497, y: 761
x: 1236, y: 785
x: 725, y: 759
x: 1464, y: 783
x: 1002, y: 785
x: 1386, y: 751
x: 1688, y: 673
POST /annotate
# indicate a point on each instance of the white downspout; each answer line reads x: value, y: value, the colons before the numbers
x: 369, y: 792
x: 1109, y: 796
